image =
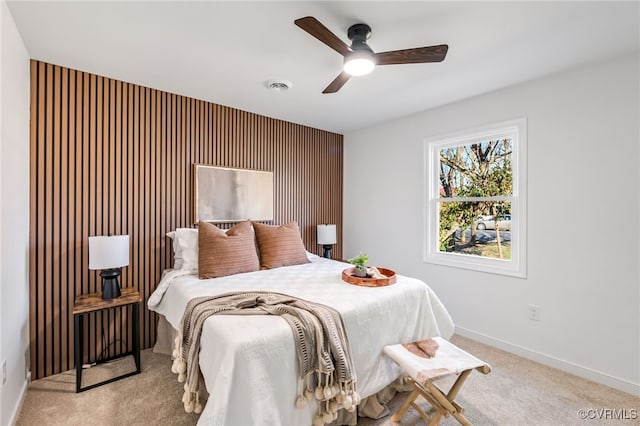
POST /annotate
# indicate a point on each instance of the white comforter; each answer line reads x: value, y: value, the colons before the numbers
x: 249, y: 362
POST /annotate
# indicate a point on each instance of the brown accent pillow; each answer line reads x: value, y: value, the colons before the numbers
x: 223, y: 253
x: 280, y: 245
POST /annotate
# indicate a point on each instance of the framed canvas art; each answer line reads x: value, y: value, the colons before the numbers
x: 223, y: 194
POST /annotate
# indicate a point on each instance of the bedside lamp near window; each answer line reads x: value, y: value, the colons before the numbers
x: 109, y: 254
x: 327, y: 237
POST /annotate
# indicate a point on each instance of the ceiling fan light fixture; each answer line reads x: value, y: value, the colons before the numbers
x: 359, y: 63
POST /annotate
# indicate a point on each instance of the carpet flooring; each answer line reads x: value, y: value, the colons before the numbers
x: 516, y: 392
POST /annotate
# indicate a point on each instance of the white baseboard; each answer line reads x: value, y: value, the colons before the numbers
x: 566, y: 366
x: 16, y: 410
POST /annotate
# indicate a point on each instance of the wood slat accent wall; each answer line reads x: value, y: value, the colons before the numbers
x: 109, y: 157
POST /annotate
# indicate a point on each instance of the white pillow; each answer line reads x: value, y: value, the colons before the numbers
x: 185, y: 248
x: 188, y: 242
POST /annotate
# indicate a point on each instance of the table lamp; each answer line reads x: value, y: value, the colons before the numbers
x: 327, y: 237
x: 109, y: 254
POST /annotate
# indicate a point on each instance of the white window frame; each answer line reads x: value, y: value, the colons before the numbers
x: 517, y: 265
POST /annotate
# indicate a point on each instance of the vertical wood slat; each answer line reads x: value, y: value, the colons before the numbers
x: 109, y: 157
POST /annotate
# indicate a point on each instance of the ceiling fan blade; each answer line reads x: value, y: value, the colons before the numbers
x: 418, y: 55
x: 322, y: 33
x: 336, y: 84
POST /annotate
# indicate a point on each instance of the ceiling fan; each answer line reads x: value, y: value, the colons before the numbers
x: 359, y: 58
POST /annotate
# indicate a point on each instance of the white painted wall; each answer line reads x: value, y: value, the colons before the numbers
x: 583, y: 214
x: 14, y: 214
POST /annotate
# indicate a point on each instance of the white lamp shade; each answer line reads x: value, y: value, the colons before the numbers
x: 326, y: 234
x: 108, y: 252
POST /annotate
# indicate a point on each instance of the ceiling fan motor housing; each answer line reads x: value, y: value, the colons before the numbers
x: 359, y: 34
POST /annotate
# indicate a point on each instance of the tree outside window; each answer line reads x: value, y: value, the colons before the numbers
x: 476, y: 204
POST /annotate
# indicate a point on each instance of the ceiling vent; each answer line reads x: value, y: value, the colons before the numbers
x: 279, y: 85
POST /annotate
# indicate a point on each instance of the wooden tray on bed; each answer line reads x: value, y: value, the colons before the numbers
x: 390, y: 278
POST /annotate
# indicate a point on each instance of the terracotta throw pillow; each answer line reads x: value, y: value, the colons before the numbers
x: 280, y: 245
x: 223, y: 253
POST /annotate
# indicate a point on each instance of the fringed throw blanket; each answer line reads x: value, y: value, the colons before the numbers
x: 322, y: 347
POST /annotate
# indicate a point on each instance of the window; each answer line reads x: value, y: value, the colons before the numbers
x: 475, y: 208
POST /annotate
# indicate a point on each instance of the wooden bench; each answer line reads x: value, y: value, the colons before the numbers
x: 448, y: 360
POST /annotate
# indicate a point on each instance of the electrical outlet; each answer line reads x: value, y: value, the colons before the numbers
x: 4, y: 371
x: 534, y: 312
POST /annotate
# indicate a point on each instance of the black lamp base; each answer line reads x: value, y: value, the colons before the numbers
x: 327, y: 250
x: 110, y: 285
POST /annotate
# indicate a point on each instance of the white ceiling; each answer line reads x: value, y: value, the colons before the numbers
x: 224, y: 52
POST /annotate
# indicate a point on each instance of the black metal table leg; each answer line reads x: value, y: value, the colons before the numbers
x: 78, y: 343
x: 135, y: 324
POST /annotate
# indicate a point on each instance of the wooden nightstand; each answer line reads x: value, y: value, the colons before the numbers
x: 94, y: 302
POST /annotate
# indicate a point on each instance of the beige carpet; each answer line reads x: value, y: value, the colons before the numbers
x: 516, y: 392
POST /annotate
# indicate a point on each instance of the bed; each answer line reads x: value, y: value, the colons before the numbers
x: 248, y: 363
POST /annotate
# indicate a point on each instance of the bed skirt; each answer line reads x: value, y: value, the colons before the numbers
x: 165, y: 336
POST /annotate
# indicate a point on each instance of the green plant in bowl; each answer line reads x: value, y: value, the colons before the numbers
x: 360, y: 263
